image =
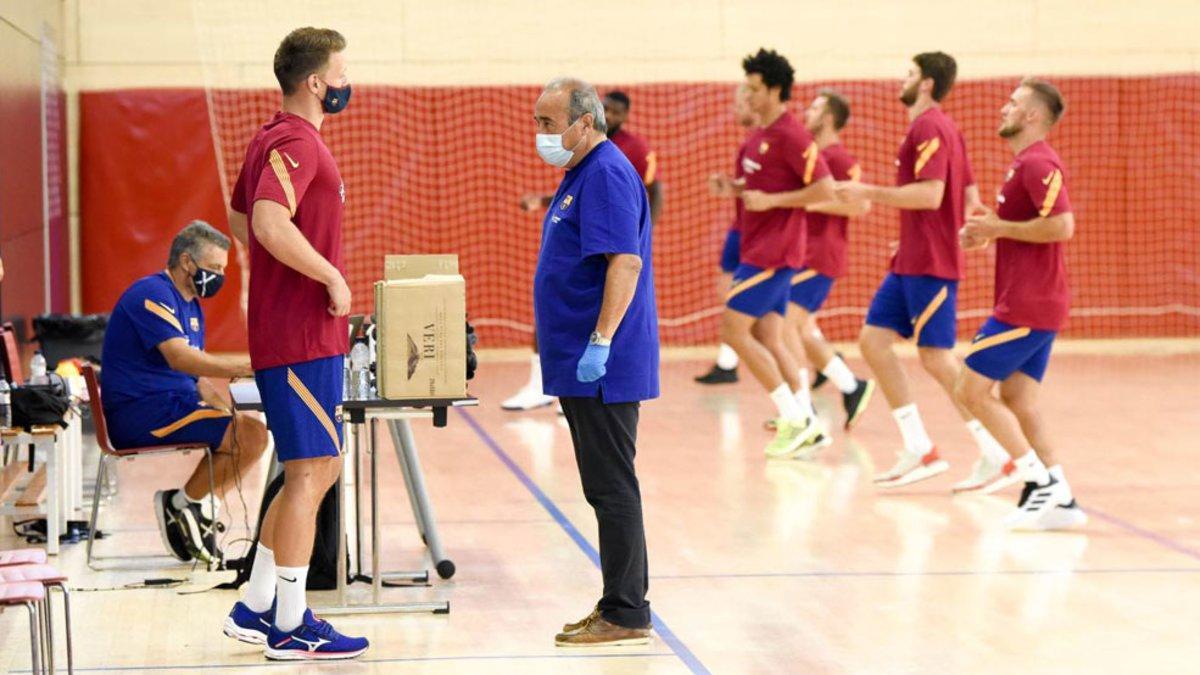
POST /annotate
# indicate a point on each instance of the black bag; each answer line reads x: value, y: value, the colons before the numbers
x: 322, y: 566
x: 39, y: 405
x: 472, y: 360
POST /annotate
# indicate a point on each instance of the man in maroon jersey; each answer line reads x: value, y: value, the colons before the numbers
x: 634, y: 147
x: 934, y: 188
x: 825, y: 260
x: 1031, y: 225
x: 784, y: 173
x: 724, y: 371
x: 287, y: 209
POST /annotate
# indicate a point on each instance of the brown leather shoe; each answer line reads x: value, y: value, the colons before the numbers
x: 597, y: 632
x: 572, y: 627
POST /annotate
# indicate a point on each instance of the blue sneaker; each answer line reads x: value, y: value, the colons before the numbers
x: 314, y: 639
x: 246, y: 625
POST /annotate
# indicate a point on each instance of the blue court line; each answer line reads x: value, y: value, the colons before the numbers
x: 414, y: 659
x: 681, y: 650
x: 946, y: 573
x: 1144, y: 533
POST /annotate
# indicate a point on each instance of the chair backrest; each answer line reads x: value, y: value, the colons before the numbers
x: 94, y: 402
x: 11, y: 355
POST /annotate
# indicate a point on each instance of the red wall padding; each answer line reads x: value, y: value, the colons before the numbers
x: 431, y: 170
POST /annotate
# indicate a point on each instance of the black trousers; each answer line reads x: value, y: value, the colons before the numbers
x: 605, y: 438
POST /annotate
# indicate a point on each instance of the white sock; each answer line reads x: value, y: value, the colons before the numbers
x: 1031, y: 469
x: 804, y: 394
x: 180, y: 500
x: 785, y: 402
x: 727, y: 359
x: 1056, y: 472
x: 289, y: 590
x: 839, y: 374
x: 916, y: 441
x: 989, y: 447
x: 260, y: 590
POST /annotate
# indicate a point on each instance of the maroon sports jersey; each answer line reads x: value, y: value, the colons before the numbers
x: 933, y: 150
x: 287, y: 162
x: 825, y: 250
x: 637, y: 151
x: 739, y: 209
x: 780, y: 158
x: 1031, y: 279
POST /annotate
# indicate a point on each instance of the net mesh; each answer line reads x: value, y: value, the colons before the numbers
x: 441, y: 170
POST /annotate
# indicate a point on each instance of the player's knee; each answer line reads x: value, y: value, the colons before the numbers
x: 936, y: 361
x: 251, y: 436
x: 733, y: 333
x: 871, y: 342
x: 965, y: 393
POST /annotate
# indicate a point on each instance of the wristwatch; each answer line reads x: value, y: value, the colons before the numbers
x: 599, y: 340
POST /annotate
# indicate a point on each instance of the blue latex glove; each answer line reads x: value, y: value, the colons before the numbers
x: 591, y: 365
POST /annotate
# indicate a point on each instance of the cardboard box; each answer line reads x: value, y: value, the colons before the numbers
x: 421, y: 337
x: 417, y: 266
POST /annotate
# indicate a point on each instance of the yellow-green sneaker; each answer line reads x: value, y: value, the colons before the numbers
x: 790, y: 437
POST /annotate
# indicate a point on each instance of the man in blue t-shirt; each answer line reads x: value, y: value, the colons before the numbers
x: 597, y: 329
x: 153, y: 393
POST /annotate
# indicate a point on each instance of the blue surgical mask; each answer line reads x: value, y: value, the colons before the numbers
x: 335, y: 99
x: 550, y: 147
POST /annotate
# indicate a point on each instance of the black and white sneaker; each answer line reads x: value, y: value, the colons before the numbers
x: 820, y: 379
x: 718, y: 375
x: 1036, y: 502
x: 856, y: 401
x: 200, y: 532
x: 170, y: 526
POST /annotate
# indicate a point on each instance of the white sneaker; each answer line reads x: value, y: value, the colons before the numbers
x: 911, y: 468
x: 1062, y: 517
x: 1036, y: 501
x: 528, y: 398
x: 989, y: 475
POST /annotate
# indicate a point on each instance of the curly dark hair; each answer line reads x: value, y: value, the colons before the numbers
x: 774, y: 69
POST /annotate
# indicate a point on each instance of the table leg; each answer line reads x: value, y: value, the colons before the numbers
x: 53, y: 504
x: 376, y: 578
x: 406, y: 452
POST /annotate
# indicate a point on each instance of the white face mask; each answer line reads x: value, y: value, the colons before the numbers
x: 550, y: 147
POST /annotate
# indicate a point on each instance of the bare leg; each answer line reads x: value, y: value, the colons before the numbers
x: 771, y: 331
x: 876, y: 346
x: 974, y: 392
x: 1020, y: 392
x: 815, y: 347
x: 292, y: 518
x: 239, y: 452
x: 797, y: 322
x: 941, y: 364
x: 736, y: 331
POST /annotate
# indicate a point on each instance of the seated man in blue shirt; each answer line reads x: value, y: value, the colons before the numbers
x: 153, y: 361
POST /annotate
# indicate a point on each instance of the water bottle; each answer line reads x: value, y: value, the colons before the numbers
x: 37, y: 368
x: 5, y: 404
x: 360, y: 360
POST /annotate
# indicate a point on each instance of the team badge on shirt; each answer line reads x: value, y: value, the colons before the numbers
x: 763, y: 147
x: 566, y: 202
x: 195, y: 323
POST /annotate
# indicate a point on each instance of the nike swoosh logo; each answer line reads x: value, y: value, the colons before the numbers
x: 294, y: 163
x: 292, y: 580
x: 169, y: 309
x: 1047, y: 179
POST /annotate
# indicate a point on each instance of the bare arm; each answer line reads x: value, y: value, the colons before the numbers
x: 620, y: 283
x: 849, y: 209
x: 1046, y: 230
x: 238, y: 226
x: 185, y: 358
x: 923, y: 195
x: 214, y: 396
x: 972, y: 200
x: 274, y: 230
x: 814, y: 193
x: 655, y: 192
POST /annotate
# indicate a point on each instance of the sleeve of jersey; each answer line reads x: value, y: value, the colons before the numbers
x: 806, y: 161
x: 932, y: 157
x: 237, y: 200
x: 290, y: 167
x: 1046, y: 187
x: 843, y: 166
x: 155, y: 317
x: 608, y: 217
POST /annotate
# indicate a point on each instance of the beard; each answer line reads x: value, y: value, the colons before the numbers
x: 612, y: 130
x: 1009, y: 130
x: 909, y: 95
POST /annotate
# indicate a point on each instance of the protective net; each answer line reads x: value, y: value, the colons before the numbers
x: 441, y: 170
